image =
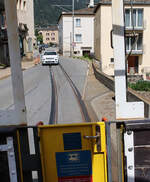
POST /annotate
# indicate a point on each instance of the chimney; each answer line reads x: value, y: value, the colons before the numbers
x: 91, y: 4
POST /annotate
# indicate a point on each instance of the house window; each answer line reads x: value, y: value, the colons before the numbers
x: 78, y: 37
x: 137, y: 18
x: 53, y: 39
x: 47, y: 34
x: 112, y: 60
x: 131, y: 40
x: 78, y: 22
x: 53, y: 34
x: 24, y: 5
x: 47, y: 38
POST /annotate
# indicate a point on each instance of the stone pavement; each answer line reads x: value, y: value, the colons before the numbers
x: 99, y: 99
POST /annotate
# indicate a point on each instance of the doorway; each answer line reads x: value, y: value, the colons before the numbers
x: 133, y: 64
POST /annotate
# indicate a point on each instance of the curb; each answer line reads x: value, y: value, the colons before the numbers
x: 9, y: 74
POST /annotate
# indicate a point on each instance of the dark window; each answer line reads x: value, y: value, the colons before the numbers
x: 50, y: 53
x: 112, y: 60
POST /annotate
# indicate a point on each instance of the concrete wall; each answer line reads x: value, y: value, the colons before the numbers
x: 60, y: 35
x: 97, y: 35
x: 145, y: 58
x: 67, y: 35
x: 131, y: 94
x: 106, y: 50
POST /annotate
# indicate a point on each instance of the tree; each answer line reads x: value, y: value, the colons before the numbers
x: 39, y: 36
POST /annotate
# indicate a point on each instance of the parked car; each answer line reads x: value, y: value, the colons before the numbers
x: 50, y: 57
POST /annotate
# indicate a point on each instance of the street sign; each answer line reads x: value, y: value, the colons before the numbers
x: 73, y: 44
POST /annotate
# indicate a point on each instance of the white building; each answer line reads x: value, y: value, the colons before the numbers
x: 83, y: 32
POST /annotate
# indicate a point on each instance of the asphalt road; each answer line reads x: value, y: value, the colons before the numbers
x: 68, y: 106
x: 37, y: 86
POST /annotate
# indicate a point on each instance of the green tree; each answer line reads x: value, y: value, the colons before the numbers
x: 39, y: 36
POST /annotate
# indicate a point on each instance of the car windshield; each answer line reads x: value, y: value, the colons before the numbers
x: 50, y: 53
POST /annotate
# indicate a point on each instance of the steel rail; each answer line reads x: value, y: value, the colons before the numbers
x: 78, y: 96
x: 54, y: 102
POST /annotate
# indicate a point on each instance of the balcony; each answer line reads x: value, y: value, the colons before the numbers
x: 135, y: 52
x: 130, y: 28
x: 135, y: 44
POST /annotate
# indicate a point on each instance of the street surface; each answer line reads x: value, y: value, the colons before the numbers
x: 37, y: 86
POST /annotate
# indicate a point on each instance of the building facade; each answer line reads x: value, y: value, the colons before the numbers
x: 25, y: 15
x: 83, y: 32
x: 50, y: 35
x: 4, y: 54
x: 137, y: 40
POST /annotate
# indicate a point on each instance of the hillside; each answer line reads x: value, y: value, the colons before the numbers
x: 46, y: 13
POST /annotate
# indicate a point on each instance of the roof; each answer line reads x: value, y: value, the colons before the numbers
x: 52, y: 28
x: 127, y: 2
x: 84, y: 11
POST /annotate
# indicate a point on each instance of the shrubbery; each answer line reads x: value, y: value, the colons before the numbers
x: 140, y: 86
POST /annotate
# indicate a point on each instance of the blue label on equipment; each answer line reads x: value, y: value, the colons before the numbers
x: 77, y: 163
x: 72, y: 141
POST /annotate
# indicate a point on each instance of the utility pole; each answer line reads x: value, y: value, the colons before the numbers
x: 72, y: 27
x: 124, y: 109
x: 15, y: 61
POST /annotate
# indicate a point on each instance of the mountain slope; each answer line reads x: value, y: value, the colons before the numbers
x: 46, y: 13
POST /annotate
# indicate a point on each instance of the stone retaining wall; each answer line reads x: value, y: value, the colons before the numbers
x: 131, y: 95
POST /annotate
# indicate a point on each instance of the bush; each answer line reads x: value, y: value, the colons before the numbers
x: 140, y: 86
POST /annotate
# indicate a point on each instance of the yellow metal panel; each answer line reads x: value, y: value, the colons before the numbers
x: 51, y: 141
x: 98, y: 168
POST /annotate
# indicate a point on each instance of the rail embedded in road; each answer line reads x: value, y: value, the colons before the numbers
x: 78, y: 97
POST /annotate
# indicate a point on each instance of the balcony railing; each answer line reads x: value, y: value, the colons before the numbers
x: 135, y: 52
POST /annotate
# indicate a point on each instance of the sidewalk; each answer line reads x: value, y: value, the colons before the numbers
x: 99, y: 98
x: 6, y: 72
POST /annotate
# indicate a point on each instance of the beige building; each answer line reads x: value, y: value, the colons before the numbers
x: 25, y: 12
x: 50, y: 35
x: 138, y: 61
x: 25, y: 15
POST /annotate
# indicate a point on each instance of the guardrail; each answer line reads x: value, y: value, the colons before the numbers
x: 131, y: 94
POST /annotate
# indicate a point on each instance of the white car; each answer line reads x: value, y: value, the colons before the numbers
x: 50, y: 57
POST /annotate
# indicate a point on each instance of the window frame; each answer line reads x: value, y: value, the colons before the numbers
x: 76, y: 38
x: 129, y: 38
x: 137, y: 18
x: 78, y: 25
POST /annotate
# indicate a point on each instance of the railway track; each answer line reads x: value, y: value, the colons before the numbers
x: 54, y: 102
